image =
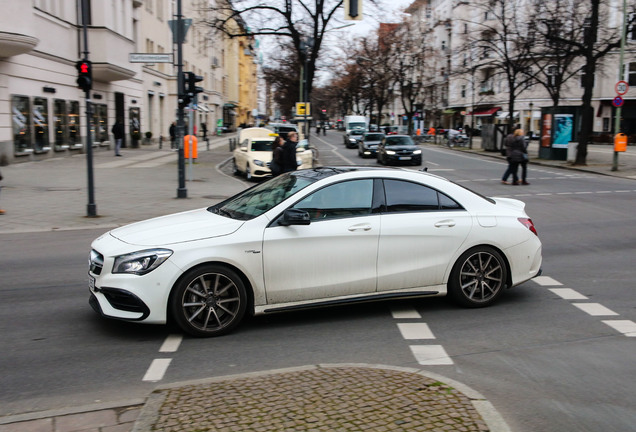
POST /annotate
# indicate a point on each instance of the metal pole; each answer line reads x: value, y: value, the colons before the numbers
x: 617, y: 120
x: 182, y: 191
x: 91, y: 207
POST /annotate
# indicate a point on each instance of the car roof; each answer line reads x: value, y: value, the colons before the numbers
x: 255, y: 132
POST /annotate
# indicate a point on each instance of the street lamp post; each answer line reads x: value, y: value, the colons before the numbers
x: 617, y: 120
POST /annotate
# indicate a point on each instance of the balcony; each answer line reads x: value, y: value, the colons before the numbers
x: 12, y: 44
x: 109, y: 54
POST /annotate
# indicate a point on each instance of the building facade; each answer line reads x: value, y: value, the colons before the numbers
x: 43, y: 112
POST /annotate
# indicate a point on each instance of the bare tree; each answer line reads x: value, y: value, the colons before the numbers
x: 597, y: 39
x: 501, y: 41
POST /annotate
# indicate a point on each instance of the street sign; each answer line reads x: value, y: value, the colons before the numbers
x: 621, y: 88
x: 303, y: 108
x: 618, y: 101
x: 150, y: 58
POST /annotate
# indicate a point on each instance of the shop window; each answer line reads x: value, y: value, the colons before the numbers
x: 60, y: 125
x: 100, y: 119
x: 41, y: 124
x: 134, y: 124
x: 20, y: 114
x: 74, y: 136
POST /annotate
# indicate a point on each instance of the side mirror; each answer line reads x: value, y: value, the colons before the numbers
x: 295, y: 217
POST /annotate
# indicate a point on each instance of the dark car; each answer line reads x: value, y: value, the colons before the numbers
x: 368, y: 145
x: 351, y: 139
x: 399, y: 149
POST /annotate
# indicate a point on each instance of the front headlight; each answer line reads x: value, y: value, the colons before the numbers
x: 259, y: 162
x: 141, y: 262
x: 417, y: 152
x: 390, y: 152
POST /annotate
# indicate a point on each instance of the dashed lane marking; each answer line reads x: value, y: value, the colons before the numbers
x: 405, y: 313
x: 415, y: 331
x: 157, y: 369
x: 427, y: 355
x: 546, y: 280
x: 568, y: 294
x: 627, y: 327
x: 171, y: 344
x: 595, y: 309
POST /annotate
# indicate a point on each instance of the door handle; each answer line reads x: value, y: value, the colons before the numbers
x: 361, y: 227
x: 445, y: 223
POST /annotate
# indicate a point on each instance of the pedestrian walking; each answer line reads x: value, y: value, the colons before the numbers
x: 204, y: 131
x: 289, y: 152
x: 276, y: 165
x: 515, y: 153
x: 173, y: 135
x: 118, y: 132
x: 1, y: 211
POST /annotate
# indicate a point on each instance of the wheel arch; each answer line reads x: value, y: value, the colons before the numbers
x: 474, y: 247
x: 249, y: 289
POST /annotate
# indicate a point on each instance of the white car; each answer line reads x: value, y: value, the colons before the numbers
x: 253, y: 154
x: 316, y: 237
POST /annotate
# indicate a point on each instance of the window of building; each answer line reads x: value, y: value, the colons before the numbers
x: 551, y: 72
x: 463, y: 91
x: 606, y: 124
x: 101, y: 122
x: 60, y: 125
x: 74, y: 123
x: 20, y: 110
x: 631, y: 74
x: 41, y: 125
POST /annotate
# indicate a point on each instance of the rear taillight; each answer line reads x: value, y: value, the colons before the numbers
x: 527, y: 222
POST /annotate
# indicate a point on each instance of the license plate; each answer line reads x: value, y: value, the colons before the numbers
x: 405, y: 157
x: 91, y: 283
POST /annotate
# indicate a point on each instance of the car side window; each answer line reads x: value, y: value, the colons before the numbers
x: 402, y: 196
x: 340, y: 200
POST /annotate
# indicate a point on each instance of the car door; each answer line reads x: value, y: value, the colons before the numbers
x: 421, y: 231
x: 240, y: 155
x: 335, y: 255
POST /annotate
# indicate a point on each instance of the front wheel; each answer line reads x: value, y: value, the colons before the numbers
x: 478, y: 277
x: 209, y: 301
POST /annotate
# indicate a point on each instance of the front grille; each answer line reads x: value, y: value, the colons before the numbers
x: 96, y: 262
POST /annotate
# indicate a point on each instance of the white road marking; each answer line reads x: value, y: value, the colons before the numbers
x: 405, y: 313
x: 595, y: 309
x: 171, y: 344
x: 627, y: 327
x: 415, y: 331
x: 568, y: 294
x: 431, y: 355
x: 546, y: 280
x: 157, y: 370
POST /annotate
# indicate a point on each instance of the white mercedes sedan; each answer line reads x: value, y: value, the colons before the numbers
x: 315, y: 237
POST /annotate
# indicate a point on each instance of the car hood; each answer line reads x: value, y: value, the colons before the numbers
x: 176, y: 228
x: 402, y: 147
x: 264, y: 156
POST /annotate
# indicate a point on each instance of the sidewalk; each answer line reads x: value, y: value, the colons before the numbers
x: 52, y: 195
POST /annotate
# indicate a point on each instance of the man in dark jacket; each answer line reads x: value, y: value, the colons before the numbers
x: 289, y: 152
x: 118, y: 132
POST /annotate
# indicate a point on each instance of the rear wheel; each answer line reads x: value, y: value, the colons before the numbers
x: 209, y: 301
x: 478, y: 277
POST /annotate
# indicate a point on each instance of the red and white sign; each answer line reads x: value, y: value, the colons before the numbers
x: 618, y: 101
x: 621, y: 88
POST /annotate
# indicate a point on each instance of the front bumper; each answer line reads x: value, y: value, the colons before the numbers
x: 404, y: 159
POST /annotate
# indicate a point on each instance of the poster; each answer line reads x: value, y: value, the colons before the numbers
x: 563, y: 130
x: 546, y: 131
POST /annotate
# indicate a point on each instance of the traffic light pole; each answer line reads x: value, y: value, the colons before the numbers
x: 182, y: 191
x: 91, y: 207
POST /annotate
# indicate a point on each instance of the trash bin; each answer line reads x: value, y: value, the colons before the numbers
x: 572, y: 149
x: 186, y: 147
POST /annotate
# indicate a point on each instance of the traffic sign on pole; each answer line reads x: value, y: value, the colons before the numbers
x: 618, y: 101
x: 621, y: 88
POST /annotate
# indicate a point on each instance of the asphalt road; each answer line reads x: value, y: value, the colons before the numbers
x: 544, y: 363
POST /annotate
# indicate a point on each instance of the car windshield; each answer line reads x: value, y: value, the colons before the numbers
x: 261, y: 146
x: 357, y: 125
x: 391, y: 141
x: 257, y: 200
x: 374, y: 137
x: 357, y: 132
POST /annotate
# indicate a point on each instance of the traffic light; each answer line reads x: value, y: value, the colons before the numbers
x: 84, y: 75
x: 190, y: 88
x: 353, y: 10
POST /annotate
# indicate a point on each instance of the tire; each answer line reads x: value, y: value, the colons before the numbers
x: 248, y: 173
x: 478, y: 277
x: 235, y: 169
x: 209, y: 301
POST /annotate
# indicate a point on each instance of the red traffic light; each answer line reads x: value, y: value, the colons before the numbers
x: 84, y: 75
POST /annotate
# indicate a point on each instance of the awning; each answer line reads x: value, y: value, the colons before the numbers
x: 484, y: 112
x: 504, y: 114
x: 448, y: 111
x: 202, y: 108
